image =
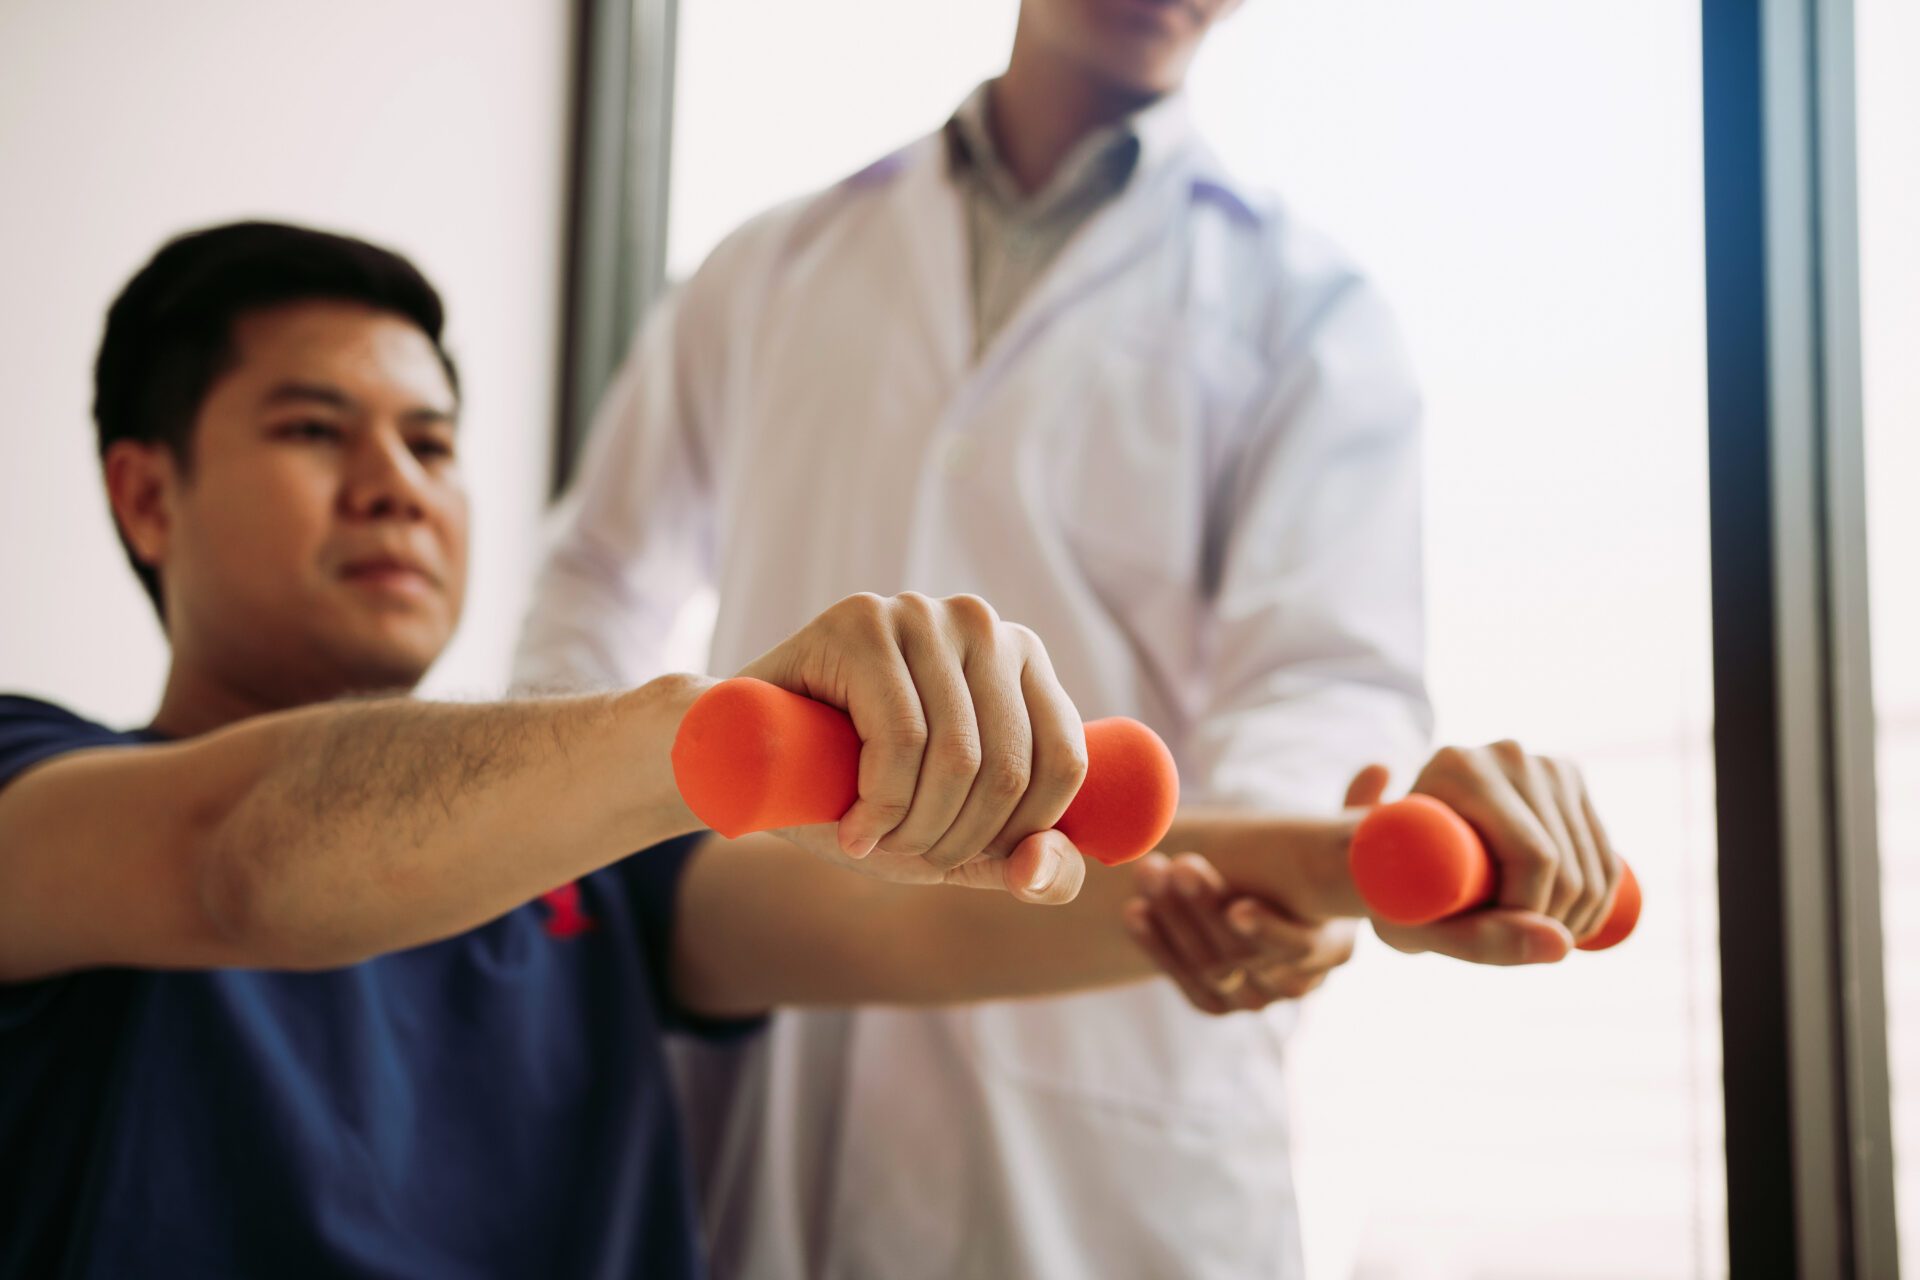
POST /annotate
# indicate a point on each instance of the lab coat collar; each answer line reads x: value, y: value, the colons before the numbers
x: 1176, y: 170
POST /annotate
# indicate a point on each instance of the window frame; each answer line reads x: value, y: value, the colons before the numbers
x: 1809, y: 1169
x: 620, y: 166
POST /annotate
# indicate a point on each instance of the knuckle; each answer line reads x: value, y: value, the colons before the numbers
x: 1594, y: 896
x: 1065, y: 763
x: 906, y: 736
x: 1004, y: 776
x: 955, y: 753
x: 1508, y: 752
x: 1567, y: 893
x: 1454, y: 764
x: 1536, y: 859
x: 913, y: 609
x: 971, y: 611
x: 862, y: 609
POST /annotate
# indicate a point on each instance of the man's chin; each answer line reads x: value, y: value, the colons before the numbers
x: 390, y: 664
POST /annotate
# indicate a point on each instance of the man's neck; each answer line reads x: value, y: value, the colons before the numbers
x: 194, y: 703
x: 1044, y: 104
x: 198, y: 700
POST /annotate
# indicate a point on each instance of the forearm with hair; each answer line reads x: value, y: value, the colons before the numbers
x: 381, y: 825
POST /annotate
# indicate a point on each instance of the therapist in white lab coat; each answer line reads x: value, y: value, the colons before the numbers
x: 1055, y: 355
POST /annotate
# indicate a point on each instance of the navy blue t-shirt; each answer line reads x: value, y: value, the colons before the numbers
x: 492, y: 1105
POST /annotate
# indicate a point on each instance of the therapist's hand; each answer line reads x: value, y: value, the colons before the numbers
x: 970, y: 751
x: 1556, y: 869
x: 1227, y: 953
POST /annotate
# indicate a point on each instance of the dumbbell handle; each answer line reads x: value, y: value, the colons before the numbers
x: 1415, y: 861
x: 750, y: 756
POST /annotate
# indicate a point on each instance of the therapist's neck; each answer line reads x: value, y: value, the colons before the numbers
x: 1046, y: 102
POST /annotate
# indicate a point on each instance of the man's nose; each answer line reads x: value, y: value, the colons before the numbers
x: 384, y: 481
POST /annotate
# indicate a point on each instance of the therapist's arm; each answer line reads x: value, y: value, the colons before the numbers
x: 1317, y: 618
x: 631, y: 540
x: 761, y: 925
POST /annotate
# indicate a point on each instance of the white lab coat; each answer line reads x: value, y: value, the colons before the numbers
x: 1190, y: 463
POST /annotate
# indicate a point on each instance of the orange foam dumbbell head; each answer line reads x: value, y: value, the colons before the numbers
x: 751, y: 756
x: 1416, y: 861
x: 1126, y: 805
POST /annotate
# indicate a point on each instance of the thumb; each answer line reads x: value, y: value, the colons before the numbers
x: 1496, y: 936
x: 1044, y: 869
x: 1367, y: 787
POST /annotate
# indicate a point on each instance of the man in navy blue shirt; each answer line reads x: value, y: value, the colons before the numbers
x: 286, y: 983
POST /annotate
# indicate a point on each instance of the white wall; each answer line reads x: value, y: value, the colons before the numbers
x: 435, y: 127
x: 855, y: 79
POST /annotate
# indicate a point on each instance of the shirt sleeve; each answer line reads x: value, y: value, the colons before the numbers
x: 652, y: 882
x: 1319, y: 611
x: 31, y: 733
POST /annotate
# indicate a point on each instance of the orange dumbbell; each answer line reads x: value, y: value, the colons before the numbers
x: 1416, y: 861
x: 751, y: 756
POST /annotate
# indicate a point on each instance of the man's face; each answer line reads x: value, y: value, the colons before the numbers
x: 318, y: 542
x: 1142, y: 46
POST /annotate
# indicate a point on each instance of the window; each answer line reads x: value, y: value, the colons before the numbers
x: 1524, y: 183
x: 1887, y: 42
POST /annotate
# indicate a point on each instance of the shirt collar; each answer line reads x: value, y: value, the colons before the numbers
x: 1162, y: 134
x: 1135, y: 144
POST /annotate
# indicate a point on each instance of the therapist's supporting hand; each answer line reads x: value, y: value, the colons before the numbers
x: 971, y: 749
x: 1227, y: 953
x: 1556, y: 869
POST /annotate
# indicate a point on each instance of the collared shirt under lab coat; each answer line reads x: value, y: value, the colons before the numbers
x: 1190, y: 463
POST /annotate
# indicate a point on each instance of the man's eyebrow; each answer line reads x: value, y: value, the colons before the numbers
x: 428, y: 416
x: 322, y: 393
x: 310, y: 393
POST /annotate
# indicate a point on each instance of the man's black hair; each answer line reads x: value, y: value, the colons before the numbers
x: 169, y: 334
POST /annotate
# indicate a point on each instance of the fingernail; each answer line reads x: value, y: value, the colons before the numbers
x: 862, y: 847
x: 1046, y: 873
x: 1543, y: 948
x: 1243, y: 921
x: 1188, y: 886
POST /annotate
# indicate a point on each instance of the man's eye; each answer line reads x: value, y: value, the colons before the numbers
x: 431, y: 450
x: 308, y: 430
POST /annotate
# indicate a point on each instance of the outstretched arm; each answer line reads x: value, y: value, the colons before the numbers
x: 319, y: 837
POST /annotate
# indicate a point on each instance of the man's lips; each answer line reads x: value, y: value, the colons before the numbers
x: 389, y: 571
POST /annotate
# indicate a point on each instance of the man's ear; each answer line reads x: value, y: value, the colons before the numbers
x: 142, y: 478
